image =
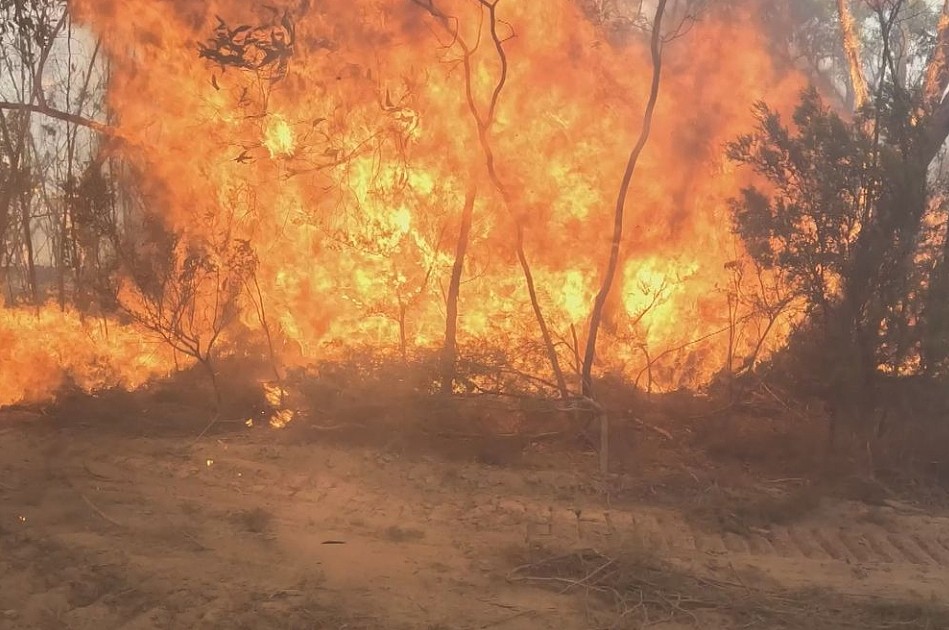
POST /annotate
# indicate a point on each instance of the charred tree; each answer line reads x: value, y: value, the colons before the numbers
x: 450, y: 350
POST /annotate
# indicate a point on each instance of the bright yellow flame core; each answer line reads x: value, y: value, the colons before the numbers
x: 278, y: 136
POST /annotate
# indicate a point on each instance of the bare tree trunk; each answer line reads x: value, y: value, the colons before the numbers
x: 262, y: 317
x: 218, y: 396
x: 70, y: 197
x: 483, y: 136
x: 403, y: 340
x: 450, y: 350
x: 539, y: 315
x: 851, y: 42
x: 599, y: 303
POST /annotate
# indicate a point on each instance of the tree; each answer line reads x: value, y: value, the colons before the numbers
x: 846, y: 213
x: 484, y: 117
x: 27, y: 34
x: 606, y: 285
x: 450, y: 349
x: 46, y: 141
x: 806, y: 225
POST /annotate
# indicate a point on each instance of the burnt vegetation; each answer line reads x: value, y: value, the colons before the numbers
x: 266, y: 49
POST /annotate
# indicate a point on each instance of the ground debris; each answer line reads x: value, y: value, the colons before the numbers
x: 639, y: 592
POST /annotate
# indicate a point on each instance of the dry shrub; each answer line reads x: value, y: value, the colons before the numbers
x: 368, y: 388
x: 787, y: 444
x: 741, y: 513
x: 255, y: 520
x: 364, y: 386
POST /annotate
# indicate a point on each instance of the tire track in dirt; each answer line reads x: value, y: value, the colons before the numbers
x: 868, y: 546
x: 900, y: 540
x: 904, y: 541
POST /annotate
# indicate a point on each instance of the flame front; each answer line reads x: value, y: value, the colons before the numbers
x: 41, y: 350
x: 347, y: 170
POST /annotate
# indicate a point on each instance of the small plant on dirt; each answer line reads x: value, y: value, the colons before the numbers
x: 743, y: 514
x: 256, y: 520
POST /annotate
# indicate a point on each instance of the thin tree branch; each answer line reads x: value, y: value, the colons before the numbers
x: 51, y: 112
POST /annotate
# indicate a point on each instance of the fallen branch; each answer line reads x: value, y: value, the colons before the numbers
x: 660, y: 594
x: 509, y: 618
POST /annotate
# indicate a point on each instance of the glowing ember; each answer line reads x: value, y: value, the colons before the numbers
x: 276, y: 396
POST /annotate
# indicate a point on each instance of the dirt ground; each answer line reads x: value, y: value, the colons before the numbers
x: 131, y: 523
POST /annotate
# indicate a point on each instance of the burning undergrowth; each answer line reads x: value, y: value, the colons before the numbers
x: 312, y: 179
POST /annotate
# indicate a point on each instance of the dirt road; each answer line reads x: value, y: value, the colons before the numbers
x: 103, y: 529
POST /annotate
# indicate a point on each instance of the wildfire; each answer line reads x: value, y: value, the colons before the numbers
x: 365, y: 117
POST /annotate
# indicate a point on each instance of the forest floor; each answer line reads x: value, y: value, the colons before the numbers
x: 114, y: 516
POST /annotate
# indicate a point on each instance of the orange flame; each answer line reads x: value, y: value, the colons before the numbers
x: 39, y: 351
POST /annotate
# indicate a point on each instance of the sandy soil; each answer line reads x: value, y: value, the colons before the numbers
x: 128, y: 528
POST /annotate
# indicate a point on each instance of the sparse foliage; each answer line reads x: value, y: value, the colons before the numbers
x: 265, y: 49
x: 187, y: 295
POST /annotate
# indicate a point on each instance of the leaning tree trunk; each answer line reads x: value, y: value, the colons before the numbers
x: 599, y: 303
x: 483, y: 136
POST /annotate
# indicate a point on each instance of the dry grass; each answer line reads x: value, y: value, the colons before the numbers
x: 730, y: 510
x: 637, y: 591
x: 403, y: 534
